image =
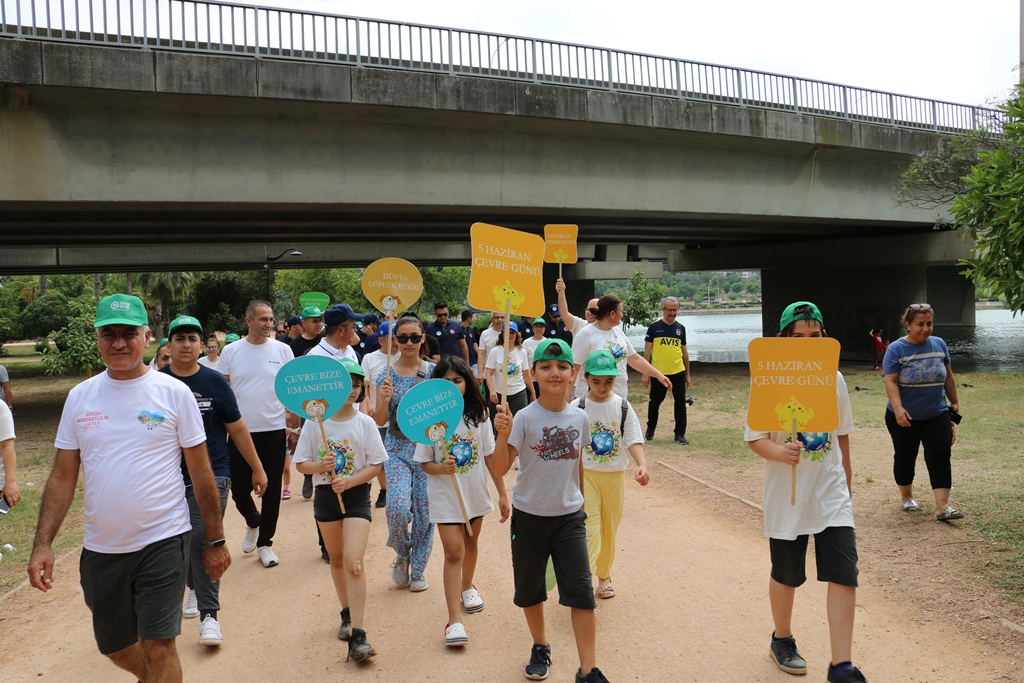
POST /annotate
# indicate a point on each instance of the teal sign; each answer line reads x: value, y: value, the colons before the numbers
x: 430, y: 411
x: 318, y: 299
x: 313, y: 387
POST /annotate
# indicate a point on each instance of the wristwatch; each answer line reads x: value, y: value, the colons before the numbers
x: 296, y: 431
x: 216, y: 544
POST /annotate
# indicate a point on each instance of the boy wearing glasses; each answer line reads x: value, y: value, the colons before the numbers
x: 823, y: 509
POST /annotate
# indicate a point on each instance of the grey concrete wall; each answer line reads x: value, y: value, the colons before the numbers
x: 951, y: 295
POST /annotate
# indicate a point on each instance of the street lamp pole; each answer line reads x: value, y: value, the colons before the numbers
x: 287, y: 252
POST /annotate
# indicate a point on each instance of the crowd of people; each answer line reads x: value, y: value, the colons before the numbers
x: 205, y: 423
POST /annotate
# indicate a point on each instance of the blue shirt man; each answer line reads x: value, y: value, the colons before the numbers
x: 450, y: 336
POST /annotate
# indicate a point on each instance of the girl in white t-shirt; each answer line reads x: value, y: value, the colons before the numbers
x: 520, y: 381
x: 355, y: 458
x: 469, y: 447
x: 614, y: 431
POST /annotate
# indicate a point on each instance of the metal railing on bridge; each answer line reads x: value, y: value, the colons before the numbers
x: 224, y: 28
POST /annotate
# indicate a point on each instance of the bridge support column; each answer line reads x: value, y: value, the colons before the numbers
x: 578, y: 291
x: 952, y: 295
x: 852, y: 299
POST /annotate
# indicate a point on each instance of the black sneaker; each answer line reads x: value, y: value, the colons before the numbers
x: 382, y: 498
x: 786, y: 657
x: 307, y: 486
x: 325, y: 556
x: 649, y: 435
x: 850, y: 675
x: 358, y: 648
x: 681, y: 440
x: 345, y: 630
x: 595, y: 676
x: 540, y: 660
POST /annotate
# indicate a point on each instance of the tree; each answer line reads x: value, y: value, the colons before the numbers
x: 449, y: 284
x: 218, y: 299
x: 164, y: 290
x: 640, y: 305
x: 44, y: 315
x: 76, y: 342
x: 981, y: 176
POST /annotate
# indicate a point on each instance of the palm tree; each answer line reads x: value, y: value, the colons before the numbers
x: 162, y: 290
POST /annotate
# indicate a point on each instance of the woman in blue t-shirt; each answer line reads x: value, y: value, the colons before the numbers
x: 918, y: 381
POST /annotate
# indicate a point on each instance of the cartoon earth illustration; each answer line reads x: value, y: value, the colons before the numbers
x: 513, y: 368
x: 818, y: 444
x: 787, y: 412
x: 602, y: 443
x: 507, y: 291
x: 616, y: 349
x: 463, y: 453
x: 340, y: 460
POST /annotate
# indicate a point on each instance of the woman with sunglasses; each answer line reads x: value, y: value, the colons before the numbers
x: 212, y: 356
x: 918, y: 382
x: 407, y: 482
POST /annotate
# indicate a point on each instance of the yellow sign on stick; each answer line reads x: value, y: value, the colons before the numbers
x: 560, y: 243
x: 793, y: 379
x: 507, y: 268
x: 392, y: 285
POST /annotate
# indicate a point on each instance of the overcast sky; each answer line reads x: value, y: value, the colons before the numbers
x: 964, y: 52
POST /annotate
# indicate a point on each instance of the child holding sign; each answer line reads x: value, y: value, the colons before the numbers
x: 614, y: 430
x: 470, y: 446
x: 355, y: 458
x: 823, y: 508
x: 547, y: 509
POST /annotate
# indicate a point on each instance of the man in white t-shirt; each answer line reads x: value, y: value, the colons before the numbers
x: 250, y: 365
x: 488, y: 338
x: 127, y: 429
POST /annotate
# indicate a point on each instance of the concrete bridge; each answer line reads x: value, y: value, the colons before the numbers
x: 125, y: 153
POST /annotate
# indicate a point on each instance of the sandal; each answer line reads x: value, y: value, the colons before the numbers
x: 605, y: 592
x: 950, y: 513
x: 911, y: 506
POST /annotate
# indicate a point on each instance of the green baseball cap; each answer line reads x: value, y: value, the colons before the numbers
x: 540, y: 321
x: 552, y: 349
x: 121, y: 309
x: 311, y: 312
x: 186, y: 321
x: 799, y: 310
x: 352, y: 367
x: 601, y: 364
x: 230, y: 338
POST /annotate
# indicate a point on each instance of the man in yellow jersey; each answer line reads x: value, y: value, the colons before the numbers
x: 665, y: 349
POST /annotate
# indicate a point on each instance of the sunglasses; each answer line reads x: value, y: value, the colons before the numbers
x: 406, y: 338
x: 920, y: 307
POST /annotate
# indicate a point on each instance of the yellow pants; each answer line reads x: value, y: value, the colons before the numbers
x: 603, y: 493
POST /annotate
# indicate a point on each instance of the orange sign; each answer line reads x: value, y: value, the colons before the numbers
x: 560, y: 243
x: 392, y: 285
x: 507, y: 267
x: 793, y: 378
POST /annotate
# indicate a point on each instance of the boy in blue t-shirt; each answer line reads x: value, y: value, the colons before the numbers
x: 221, y: 418
x: 547, y: 509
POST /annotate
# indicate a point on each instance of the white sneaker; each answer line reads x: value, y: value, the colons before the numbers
x: 455, y: 635
x: 209, y: 632
x: 471, y: 600
x: 249, y: 542
x: 191, y: 608
x: 419, y: 585
x: 400, y: 571
x: 267, y: 556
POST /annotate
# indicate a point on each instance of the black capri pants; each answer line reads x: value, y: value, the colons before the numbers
x: 937, y: 436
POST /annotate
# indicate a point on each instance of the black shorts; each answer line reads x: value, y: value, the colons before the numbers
x: 135, y: 595
x: 472, y: 521
x: 835, y: 554
x: 564, y: 540
x: 326, y: 508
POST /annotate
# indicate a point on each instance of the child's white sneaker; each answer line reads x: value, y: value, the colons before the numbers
x: 471, y: 600
x: 455, y: 635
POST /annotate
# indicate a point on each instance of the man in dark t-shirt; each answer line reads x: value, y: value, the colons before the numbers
x: 221, y: 417
x: 312, y: 327
x: 556, y: 328
x: 470, y: 333
x: 451, y: 338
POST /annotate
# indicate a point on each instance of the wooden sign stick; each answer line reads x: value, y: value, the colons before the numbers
x: 327, y: 450
x: 792, y: 488
x: 508, y: 340
x: 559, y: 266
x: 391, y: 344
x: 458, y: 491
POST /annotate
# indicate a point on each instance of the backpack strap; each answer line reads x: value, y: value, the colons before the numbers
x: 622, y: 422
x: 422, y: 372
x: 582, y: 403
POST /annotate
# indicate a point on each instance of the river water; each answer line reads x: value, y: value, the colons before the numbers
x: 995, y: 345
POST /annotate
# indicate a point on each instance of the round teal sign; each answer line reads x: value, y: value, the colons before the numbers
x: 430, y: 411
x: 313, y: 386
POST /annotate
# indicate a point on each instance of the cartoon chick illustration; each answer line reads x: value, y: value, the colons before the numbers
x: 507, y: 291
x: 787, y: 412
x: 315, y: 408
x: 389, y: 304
x: 560, y: 255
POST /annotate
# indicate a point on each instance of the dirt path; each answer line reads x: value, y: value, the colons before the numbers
x: 691, y: 605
